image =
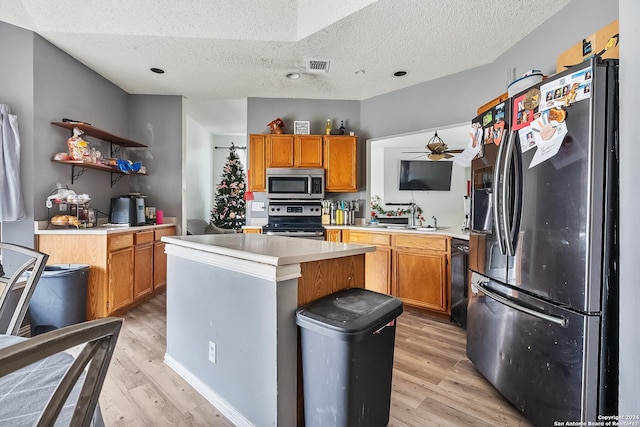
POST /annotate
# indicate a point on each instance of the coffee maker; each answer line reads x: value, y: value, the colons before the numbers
x: 128, y: 209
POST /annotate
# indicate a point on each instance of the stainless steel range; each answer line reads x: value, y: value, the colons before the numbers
x: 295, y: 218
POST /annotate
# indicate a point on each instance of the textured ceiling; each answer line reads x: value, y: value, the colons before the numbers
x: 230, y: 49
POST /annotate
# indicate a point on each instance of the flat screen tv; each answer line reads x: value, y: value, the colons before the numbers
x: 424, y: 175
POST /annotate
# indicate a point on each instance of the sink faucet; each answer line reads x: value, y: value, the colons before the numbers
x: 412, y: 214
x: 435, y: 222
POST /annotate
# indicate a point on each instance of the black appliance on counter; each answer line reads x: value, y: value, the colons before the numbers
x: 542, y: 319
x: 128, y: 209
x: 294, y: 218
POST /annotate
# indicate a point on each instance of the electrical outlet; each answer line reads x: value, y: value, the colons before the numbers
x: 257, y: 206
x: 212, y: 352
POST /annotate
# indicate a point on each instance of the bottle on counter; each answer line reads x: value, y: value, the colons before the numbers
x: 327, y: 129
x: 332, y: 215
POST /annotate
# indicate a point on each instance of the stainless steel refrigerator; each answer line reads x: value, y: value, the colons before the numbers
x: 542, y: 321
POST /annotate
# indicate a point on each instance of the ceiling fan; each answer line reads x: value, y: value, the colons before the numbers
x: 437, y: 149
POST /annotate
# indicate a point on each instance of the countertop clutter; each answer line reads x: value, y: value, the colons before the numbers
x: 442, y: 231
x: 40, y: 227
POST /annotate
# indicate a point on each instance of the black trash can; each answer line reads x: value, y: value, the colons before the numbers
x: 60, y: 297
x: 347, y: 341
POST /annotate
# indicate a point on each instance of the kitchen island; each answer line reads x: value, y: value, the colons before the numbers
x: 231, y: 301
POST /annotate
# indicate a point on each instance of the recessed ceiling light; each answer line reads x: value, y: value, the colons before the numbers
x: 157, y: 70
x: 359, y: 71
x: 400, y: 73
x: 293, y: 76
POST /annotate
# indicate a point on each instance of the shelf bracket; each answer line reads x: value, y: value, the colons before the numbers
x: 115, y: 179
x: 75, y: 175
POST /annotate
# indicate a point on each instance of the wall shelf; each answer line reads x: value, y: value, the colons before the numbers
x: 78, y: 168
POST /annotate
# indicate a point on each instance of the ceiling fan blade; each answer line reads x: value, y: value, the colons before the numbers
x: 415, y: 152
x: 454, y: 151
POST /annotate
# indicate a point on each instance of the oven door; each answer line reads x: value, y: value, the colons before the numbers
x: 299, y: 183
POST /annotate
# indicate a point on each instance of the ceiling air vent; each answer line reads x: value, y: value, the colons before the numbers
x: 317, y: 66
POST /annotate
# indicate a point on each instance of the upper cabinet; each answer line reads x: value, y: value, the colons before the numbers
x: 336, y: 154
x: 290, y: 151
x: 257, y: 163
x: 341, y: 163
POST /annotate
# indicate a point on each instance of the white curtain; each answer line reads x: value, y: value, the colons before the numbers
x: 11, y: 201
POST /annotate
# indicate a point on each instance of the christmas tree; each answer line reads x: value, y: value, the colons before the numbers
x: 229, y: 210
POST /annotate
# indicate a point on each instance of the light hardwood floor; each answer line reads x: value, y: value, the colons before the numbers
x: 434, y: 384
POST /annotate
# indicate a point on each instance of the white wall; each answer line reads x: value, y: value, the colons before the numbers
x: 629, y: 205
x: 384, y: 163
x: 199, y: 175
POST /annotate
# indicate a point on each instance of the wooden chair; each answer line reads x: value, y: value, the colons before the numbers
x: 24, y: 360
x: 35, y: 261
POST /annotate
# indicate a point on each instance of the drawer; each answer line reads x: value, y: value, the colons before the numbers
x: 434, y: 243
x: 120, y: 241
x: 167, y: 231
x: 369, y: 238
x: 143, y: 237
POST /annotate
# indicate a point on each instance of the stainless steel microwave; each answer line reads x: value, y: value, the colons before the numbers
x: 295, y: 183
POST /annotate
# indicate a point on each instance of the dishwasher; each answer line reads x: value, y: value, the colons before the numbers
x: 459, y: 281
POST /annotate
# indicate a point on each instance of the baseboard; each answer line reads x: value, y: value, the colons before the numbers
x: 214, y: 398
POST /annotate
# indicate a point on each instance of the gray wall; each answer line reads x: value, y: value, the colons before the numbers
x: 255, y: 370
x: 261, y: 111
x: 156, y: 121
x: 63, y: 87
x: 16, y: 90
x: 629, y: 207
x: 455, y: 98
x: 42, y: 84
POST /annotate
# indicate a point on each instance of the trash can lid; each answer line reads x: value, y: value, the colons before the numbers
x: 349, y: 311
x: 54, y: 270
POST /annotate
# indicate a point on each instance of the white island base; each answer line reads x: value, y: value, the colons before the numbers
x: 231, y: 331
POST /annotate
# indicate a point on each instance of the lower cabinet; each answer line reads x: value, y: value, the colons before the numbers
x: 143, y: 259
x: 333, y: 235
x: 124, y: 268
x: 121, y: 285
x: 412, y: 267
x: 254, y: 230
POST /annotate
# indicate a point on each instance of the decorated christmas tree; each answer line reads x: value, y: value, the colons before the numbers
x: 229, y: 209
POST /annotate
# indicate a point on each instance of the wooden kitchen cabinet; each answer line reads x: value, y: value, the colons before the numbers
x: 337, y: 154
x: 143, y: 254
x: 412, y: 267
x: 257, y: 163
x: 279, y: 150
x: 121, y: 265
x: 160, y: 258
x: 378, y: 263
x: 120, y: 286
x: 340, y: 163
x: 420, y: 271
x: 293, y: 151
x: 333, y: 235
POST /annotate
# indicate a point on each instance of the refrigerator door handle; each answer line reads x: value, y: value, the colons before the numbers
x: 480, y: 285
x: 497, y: 198
x: 508, y: 216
